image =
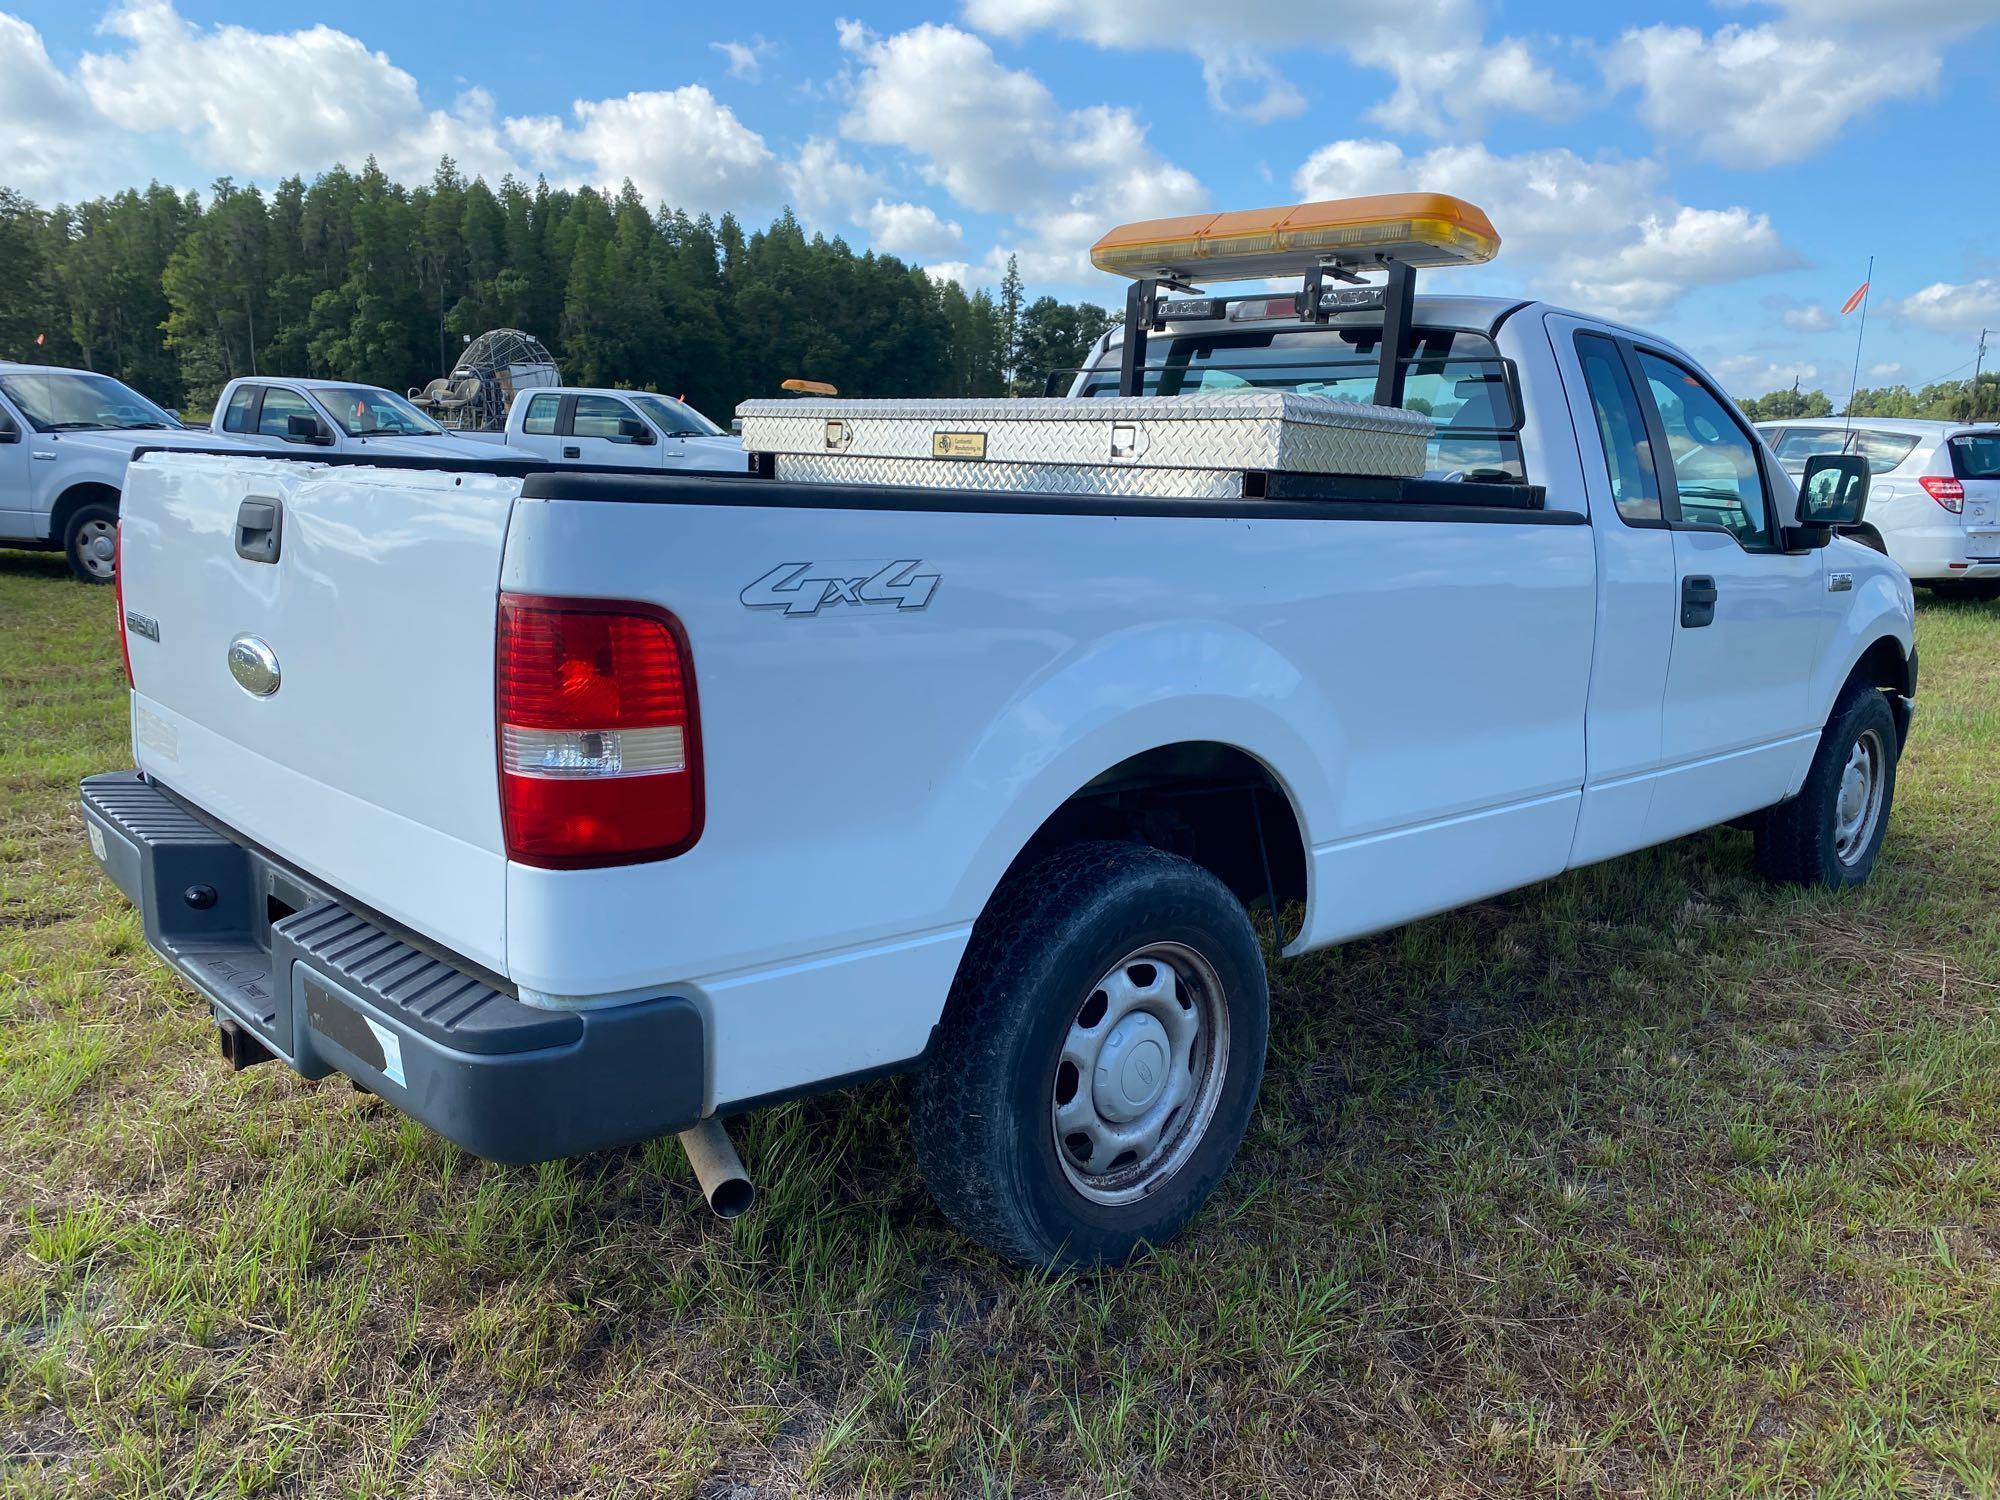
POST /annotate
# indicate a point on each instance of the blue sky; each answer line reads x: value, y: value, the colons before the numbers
x: 1721, y: 172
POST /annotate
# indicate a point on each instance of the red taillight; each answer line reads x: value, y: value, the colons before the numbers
x: 118, y: 594
x: 1949, y: 493
x: 600, y: 744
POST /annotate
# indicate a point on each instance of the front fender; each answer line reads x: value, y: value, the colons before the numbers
x: 1124, y: 694
x: 1881, y: 606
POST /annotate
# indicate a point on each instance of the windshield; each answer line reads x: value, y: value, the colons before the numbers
x: 1456, y: 378
x: 368, y: 411
x: 77, y: 401
x: 675, y: 419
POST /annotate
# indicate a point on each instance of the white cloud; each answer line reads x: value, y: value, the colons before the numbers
x: 680, y: 146
x: 745, y: 59
x: 911, y: 230
x: 1602, y: 234
x: 1812, y: 318
x: 265, y: 104
x: 1758, y: 375
x: 1763, y: 96
x: 1885, y: 370
x: 1242, y: 83
x: 997, y: 141
x: 1446, y: 73
x: 48, y: 131
x: 1961, y: 309
x: 823, y: 186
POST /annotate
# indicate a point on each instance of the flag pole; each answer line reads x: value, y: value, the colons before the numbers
x: 1854, y: 380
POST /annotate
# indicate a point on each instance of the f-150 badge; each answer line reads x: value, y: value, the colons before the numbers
x: 807, y: 588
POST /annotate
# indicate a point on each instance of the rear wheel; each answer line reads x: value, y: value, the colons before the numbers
x: 90, y: 542
x: 1830, y: 833
x: 1098, y: 1059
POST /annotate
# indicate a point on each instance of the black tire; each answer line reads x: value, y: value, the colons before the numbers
x: 86, y: 538
x: 1800, y: 842
x: 983, y: 1110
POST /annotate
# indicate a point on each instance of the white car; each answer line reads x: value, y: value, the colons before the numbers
x: 604, y: 428
x: 1934, y: 504
x: 343, y: 418
x: 562, y: 810
x: 65, y: 439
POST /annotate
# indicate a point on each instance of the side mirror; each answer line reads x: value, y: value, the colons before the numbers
x: 1833, y: 490
x: 1833, y: 494
x: 632, y: 430
x: 304, y: 429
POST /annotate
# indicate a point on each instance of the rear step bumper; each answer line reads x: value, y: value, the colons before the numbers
x: 327, y: 989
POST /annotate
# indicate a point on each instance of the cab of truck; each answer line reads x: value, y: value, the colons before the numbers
x: 615, y: 429
x: 336, y: 416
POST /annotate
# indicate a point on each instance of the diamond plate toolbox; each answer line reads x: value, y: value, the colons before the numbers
x: 1159, y: 445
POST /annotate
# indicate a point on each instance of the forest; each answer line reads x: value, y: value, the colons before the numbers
x: 1974, y: 400
x: 354, y: 276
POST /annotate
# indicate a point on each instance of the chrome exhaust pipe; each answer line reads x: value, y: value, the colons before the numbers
x: 718, y: 1168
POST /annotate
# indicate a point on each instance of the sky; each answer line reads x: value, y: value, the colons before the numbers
x: 1719, y: 172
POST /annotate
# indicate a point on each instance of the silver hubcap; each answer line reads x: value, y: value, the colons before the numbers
x: 1859, y: 806
x: 1140, y: 1072
x: 97, y: 548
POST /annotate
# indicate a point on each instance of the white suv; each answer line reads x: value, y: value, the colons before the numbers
x: 1934, y: 505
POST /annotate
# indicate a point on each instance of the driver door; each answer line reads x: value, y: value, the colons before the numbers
x: 17, y: 510
x: 595, y: 438
x: 1737, y: 725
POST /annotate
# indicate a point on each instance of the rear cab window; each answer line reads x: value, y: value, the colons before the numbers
x: 1457, y: 379
x: 237, y: 417
x: 540, y: 418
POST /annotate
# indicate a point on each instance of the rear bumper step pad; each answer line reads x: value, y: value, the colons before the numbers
x: 327, y: 989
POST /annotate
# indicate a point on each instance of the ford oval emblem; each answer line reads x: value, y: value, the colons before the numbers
x: 254, y: 665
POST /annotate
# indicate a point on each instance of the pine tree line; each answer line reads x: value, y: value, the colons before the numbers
x: 353, y: 276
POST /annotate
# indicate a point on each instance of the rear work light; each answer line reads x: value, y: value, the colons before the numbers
x: 600, y: 743
x: 1949, y: 493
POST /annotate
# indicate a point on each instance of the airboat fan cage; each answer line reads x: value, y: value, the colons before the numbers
x: 475, y: 396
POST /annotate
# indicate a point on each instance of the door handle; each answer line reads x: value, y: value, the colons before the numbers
x: 571, y: 450
x: 1697, y: 601
x: 260, y: 527
x: 44, y: 458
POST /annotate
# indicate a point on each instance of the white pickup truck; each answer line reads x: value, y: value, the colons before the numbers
x: 65, y: 439
x: 565, y: 810
x: 334, y: 417
x: 594, y: 428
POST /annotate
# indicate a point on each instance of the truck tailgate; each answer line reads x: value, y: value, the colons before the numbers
x: 371, y: 765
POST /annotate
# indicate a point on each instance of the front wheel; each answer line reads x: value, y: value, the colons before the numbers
x: 90, y: 542
x: 1098, y: 1059
x: 1830, y: 833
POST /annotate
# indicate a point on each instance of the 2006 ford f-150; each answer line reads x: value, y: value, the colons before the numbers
x: 568, y: 809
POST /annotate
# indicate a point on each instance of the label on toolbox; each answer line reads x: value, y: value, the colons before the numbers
x: 958, y: 445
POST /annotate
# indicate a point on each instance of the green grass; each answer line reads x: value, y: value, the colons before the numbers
x: 1648, y: 1180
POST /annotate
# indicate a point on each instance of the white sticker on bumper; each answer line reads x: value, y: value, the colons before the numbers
x: 392, y: 1052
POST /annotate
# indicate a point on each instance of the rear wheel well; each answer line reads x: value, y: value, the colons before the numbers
x: 1884, y: 666
x: 1207, y: 802
x: 73, y: 500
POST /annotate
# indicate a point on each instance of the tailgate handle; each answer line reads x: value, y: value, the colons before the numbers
x: 260, y: 526
x: 1697, y: 601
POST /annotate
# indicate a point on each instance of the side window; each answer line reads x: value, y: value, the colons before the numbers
x: 1800, y: 443
x: 598, y: 417
x: 540, y: 420
x: 237, y: 418
x: 1621, y: 427
x: 280, y: 406
x: 1883, y: 450
x: 1716, y: 475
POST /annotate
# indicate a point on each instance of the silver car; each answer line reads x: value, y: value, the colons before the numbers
x: 1934, y: 503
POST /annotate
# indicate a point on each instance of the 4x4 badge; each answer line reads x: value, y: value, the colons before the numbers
x: 807, y: 588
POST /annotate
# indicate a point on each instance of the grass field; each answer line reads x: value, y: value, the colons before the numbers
x: 1648, y: 1180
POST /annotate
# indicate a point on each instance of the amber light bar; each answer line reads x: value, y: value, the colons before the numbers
x: 1418, y: 229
